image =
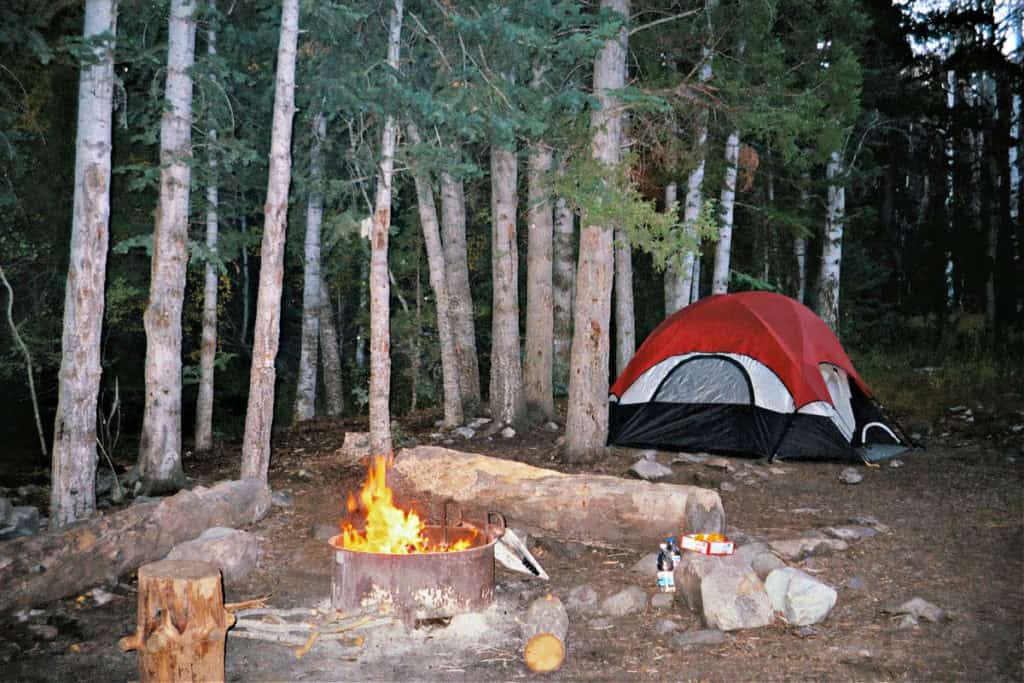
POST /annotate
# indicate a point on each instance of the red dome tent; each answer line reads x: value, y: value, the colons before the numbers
x: 753, y: 373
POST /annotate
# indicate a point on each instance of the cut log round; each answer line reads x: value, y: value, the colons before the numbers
x: 589, y: 508
x: 182, y: 623
x: 63, y: 562
x: 545, y: 628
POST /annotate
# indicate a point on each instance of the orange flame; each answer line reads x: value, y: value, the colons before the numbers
x: 389, y: 529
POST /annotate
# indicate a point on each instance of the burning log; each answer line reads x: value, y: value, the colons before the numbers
x: 545, y: 627
x: 63, y: 562
x: 593, y: 509
x: 182, y: 622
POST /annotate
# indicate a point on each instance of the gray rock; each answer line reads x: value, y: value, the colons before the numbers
x: 282, y: 499
x: 626, y: 601
x: 139, y: 500
x: 551, y: 426
x: 850, y: 475
x: 646, y: 566
x: 801, y: 598
x: 856, y: 583
x: 796, y: 549
x: 464, y: 432
x: 665, y: 626
x: 23, y: 520
x: 582, y: 599
x: 650, y: 470
x: 918, y: 608
x: 895, y: 463
x: 727, y: 487
x: 355, y: 446
x: 805, y: 511
x: 850, y: 533
x: 871, y: 521
x: 762, y: 560
x: 324, y: 532
x: 734, y: 598
x: 43, y: 631
x: 100, y: 596
x: 235, y: 552
x: 690, y: 458
x: 690, y: 639
x: 508, y: 433
x: 720, y: 463
x: 662, y: 600
x: 478, y: 422
x: 907, y: 621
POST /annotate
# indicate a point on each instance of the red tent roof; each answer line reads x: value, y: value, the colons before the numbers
x: 781, y: 333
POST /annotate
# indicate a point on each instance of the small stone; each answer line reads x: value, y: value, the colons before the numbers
x: 139, y: 500
x: 777, y: 470
x: 100, y: 596
x: 23, y: 521
x: 582, y: 599
x: 303, y: 474
x: 871, y: 521
x: 727, y: 487
x: 551, y: 426
x: 850, y: 475
x: 665, y: 626
x: 856, y: 583
x: 464, y: 432
x: 796, y: 549
x: 626, y: 601
x: 323, y: 532
x: 650, y: 470
x: 478, y: 422
x: 801, y: 598
x: 282, y: 499
x: 235, y: 552
x: 805, y: 511
x: 690, y: 458
x: 895, y: 463
x: 24, y: 615
x: 508, y: 433
x: 851, y: 533
x: 600, y: 624
x: 807, y: 631
x: 919, y: 608
x: 690, y: 639
x: 43, y: 631
x: 907, y: 621
x: 662, y: 600
x: 720, y: 463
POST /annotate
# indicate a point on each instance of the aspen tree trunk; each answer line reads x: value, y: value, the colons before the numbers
x: 800, y: 251
x: 586, y: 424
x: 305, y: 390
x: 330, y: 356
x: 625, y: 325
x: 723, y: 252
x: 506, y: 395
x: 208, y: 343
x: 73, y: 491
x: 538, y: 362
x: 380, y: 289
x: 416, y: 353
x: 563, y: 279
x: 672, y: 283
x: 691, y: 212
x: 160, y: 447
x: 832, y: 247
x: 259, y: 414
x: 460, y: 298
x: 243, y: 225
x: 439, y: 284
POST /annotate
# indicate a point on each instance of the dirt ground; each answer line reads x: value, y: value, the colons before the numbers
x: 956, y: 513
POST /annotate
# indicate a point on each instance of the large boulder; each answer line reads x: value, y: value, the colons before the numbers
x: 724, y: 590
x: 235, y: 552
x: 802, y: 599
x: 762, y: 560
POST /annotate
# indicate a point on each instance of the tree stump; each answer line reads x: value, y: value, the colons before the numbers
x: 545, y: 627
x: 182, y: 622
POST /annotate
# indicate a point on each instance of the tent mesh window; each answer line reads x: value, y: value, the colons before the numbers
x: 706, y: 379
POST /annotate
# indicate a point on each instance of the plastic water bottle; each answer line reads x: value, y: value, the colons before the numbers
x: 666, y: 574
x: 674, y: 551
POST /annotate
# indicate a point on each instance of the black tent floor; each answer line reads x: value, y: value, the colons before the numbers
x: 879, y: 452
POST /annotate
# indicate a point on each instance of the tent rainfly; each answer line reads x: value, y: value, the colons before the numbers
x: 752, y: 373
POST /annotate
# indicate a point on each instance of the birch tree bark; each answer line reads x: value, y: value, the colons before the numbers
x: 506, y: 395
x: 73, y: 490
x: 538, y: 363
x: 672, y: 283
x: 439, y: 284
x: 453, y: 230
x: 563, y: 279
x: 832, y: 246
x: 160, y: 445
x: 305, y: 389
x: 330, y: 356
x: 586, y: 424
x: 723, y: 251
x: 800, y: 252
x: 692, y: 207
x: 208, y: 343
x: 695, y: 283
x: 259, y: 414
x: 380, y: 290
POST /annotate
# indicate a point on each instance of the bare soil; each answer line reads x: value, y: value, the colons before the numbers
x: 956, y: 513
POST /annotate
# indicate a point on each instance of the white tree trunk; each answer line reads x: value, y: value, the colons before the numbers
x: 259, y: 414
x: 453, y: 230
x: 695, y: 284
x: 832, y: 246
x: 208, y: 343
x: 439, y: 284
x: 160, y: 447
x: 625, y: 326
x: 691, y: 212
x: 380, y: 290
x: 563, y: 278
x: 506, y: 395
x: 73, y: 491
x: 330, y: 356
x: 800, y: 251
x: 723, y: 251
x: 586, y: 425
x: 538, y: 362
x: 305, y: 389
x: 672, y: 284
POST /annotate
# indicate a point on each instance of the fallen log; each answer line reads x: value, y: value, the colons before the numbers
x: 544, y: 628
x: 65, y: 561
x: 589, y: 508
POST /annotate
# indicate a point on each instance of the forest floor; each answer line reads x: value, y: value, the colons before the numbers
x: 955, y: 510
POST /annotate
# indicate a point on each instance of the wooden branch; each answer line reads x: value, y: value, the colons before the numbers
x: 656, y: 22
